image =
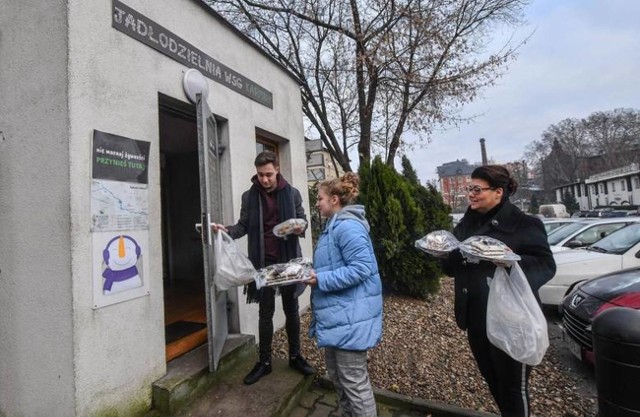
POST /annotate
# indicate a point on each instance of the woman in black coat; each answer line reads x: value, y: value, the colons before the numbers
x: 491, y: 214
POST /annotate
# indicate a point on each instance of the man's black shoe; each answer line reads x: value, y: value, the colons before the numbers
x: 299, y: 364
x: 258, y: 371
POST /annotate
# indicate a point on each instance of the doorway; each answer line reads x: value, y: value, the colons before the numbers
x: 183, y: 279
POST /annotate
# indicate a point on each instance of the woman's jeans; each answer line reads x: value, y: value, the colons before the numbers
x: 348, y: 371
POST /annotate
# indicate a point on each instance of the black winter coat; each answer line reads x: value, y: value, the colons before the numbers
x: 524, y: 234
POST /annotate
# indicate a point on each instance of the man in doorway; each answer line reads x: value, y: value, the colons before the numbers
x: 269, y: 201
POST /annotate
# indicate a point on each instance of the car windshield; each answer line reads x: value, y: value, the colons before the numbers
x: 556, y: 236
x: 550, y: 227
x: 619, y: 241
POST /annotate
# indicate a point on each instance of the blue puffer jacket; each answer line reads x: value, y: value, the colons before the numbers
x: 347, y: 302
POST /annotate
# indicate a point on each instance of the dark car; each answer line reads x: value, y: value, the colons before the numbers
x: 590, y: 298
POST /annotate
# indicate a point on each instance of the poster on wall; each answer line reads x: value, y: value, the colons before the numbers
x: 119, y: 218
x: 119, y: 183
x: 120, y: 266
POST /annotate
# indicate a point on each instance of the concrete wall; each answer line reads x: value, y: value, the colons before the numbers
x: 36, y: 338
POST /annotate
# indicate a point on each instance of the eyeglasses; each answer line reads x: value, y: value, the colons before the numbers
x: 476, y: 189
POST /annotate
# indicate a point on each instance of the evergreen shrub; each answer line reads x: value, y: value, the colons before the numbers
x: 400, y: 210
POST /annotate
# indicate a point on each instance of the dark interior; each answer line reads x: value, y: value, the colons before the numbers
x: 182, y: 258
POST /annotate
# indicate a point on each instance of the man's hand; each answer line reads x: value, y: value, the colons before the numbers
x: 297, y: 230
x: 216, y: 227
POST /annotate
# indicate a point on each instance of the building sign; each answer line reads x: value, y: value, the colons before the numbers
x: 145, y: 30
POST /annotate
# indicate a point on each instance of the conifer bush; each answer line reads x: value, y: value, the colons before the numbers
x: 400, y: 210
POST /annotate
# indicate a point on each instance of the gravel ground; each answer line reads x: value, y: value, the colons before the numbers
x: 423, y: 354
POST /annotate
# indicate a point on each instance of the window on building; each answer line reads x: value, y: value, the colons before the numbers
x: 265, y: 145
x: 315, y: 174
x: 636, y: 182
x: 602, y: 187
x: 613, y: 187
x: 623, y: 186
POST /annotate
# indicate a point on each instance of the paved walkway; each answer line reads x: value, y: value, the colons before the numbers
x: 286, y: 393
x: 322, y: 402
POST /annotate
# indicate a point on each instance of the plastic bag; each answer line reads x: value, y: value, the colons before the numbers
x: 233, y: 268
x: 515, y: 323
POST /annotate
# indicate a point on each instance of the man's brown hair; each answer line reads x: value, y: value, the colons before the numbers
x: 266, y: 157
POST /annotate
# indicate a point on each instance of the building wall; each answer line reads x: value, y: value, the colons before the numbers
x: 114, y: 82
x: 58, y: 355
x: 453, y: 189
x: 36, y: 342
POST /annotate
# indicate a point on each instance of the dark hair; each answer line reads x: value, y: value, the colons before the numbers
x: 266, y: 157
x: 345, y: 187
x: 498, y: 177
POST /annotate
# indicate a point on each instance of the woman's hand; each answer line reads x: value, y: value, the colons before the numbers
x: 504, y: 264
x: 313, y: 279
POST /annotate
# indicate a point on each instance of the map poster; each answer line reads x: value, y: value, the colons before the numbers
x: 119, y: 185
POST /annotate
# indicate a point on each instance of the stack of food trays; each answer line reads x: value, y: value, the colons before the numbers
x: 485, y: 248
x: 294, y: 271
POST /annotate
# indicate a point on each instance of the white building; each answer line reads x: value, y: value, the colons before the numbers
x: 320, y: 165
x: 100, y: 159
x: 617, y: 187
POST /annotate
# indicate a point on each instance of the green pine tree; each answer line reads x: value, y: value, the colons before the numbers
x: 400, y: 211
x: 534, y: 204
x: 570, y: 202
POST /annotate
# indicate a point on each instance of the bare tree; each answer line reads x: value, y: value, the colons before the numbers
x: 614, y: 134
x: 373, y: 70
x: 612, y: 137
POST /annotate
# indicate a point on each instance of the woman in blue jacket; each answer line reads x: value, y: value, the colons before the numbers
x: 346, y: 295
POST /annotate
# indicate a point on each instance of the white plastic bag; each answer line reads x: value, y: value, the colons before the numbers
x: 233, y: 268
x: 515, y: 323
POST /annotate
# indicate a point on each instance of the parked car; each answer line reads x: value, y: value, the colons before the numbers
x: 620, y: 250
x: 590, y: 298
x: 553, y: 223
x: 619, y: 213
x: 585, y: 232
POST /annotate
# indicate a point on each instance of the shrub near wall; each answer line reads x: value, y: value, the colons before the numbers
x: 400, y: 211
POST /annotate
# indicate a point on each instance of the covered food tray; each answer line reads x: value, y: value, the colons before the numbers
x: 286, y: 227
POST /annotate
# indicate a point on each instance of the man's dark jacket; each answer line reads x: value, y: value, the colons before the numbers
x: 251, y: 223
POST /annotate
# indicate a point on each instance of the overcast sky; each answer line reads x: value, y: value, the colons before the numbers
x: 583, y: 57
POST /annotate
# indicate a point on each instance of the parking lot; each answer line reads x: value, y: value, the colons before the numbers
x: 583, y: 374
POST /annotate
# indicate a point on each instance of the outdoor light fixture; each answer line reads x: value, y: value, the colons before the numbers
x: 193, y: 83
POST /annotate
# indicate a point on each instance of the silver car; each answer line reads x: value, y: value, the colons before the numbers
x: 586, y: 232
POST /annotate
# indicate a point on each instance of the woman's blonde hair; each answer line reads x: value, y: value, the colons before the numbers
x: 345, y: 187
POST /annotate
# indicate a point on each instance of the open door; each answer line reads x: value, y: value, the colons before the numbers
x: 211, y: 211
